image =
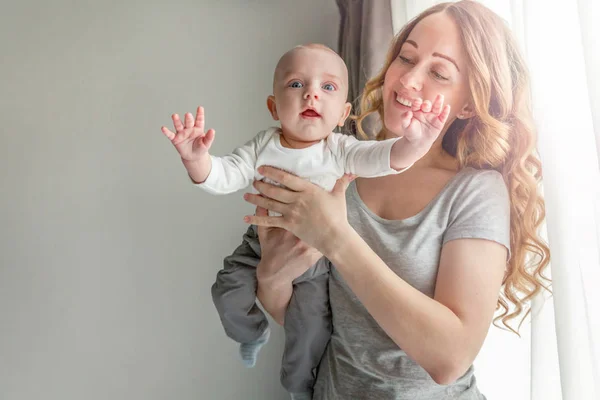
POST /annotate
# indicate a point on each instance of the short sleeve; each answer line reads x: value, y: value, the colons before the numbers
x: 481, y: 210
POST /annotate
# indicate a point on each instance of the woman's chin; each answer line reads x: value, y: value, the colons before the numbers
x: 393, y: 128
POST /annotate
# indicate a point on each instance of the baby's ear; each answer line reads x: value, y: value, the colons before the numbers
x: 272, y: 107
x: 347, y: 109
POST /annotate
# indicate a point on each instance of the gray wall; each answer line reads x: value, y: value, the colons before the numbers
x: 107, y: 254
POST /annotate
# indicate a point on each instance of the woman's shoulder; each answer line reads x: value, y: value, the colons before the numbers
x: 481, y: 175
x: 475, y: 189
x: 479, y: 191
x: 480, y: 207
x: 486, y: 182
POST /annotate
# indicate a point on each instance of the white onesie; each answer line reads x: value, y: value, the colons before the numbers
x: 322, y: 163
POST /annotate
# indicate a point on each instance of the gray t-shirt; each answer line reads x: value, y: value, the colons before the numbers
x: 361, y: 361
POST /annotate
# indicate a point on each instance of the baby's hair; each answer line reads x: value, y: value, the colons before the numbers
x: 318, y: 46
x: 314, y: 46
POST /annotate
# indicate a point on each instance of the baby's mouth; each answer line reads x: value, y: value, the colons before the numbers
x: 310, y: 114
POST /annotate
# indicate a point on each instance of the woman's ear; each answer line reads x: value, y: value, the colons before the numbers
x: 466, y: 112
x: 347, y: 109
x: 272, y: 107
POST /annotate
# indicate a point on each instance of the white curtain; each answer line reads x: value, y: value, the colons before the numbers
x: 561, y: 42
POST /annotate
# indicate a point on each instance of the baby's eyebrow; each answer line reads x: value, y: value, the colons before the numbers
x: 336, y: 79
x: 288, y: 74
x: 333, y: 77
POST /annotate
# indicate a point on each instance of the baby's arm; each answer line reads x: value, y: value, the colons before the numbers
x: 365, y: 158
x: 234, y: 171
x: 216, y: 175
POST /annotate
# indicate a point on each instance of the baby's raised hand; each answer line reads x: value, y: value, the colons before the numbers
x: 190, y: 140
x: 424, y: 122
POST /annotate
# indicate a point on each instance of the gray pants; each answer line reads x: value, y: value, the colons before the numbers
x: 307, y: 320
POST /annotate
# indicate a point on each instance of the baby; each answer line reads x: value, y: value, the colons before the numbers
x: 310, y: 87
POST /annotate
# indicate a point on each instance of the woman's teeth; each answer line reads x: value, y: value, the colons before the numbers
x: 403, y: 101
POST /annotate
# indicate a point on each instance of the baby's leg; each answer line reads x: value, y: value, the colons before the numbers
x: 307, y: 331
x: 234, y: 295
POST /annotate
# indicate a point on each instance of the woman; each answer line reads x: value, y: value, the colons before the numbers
x: 419, y: 259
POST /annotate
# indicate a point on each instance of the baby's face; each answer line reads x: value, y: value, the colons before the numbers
x: 310, y: 90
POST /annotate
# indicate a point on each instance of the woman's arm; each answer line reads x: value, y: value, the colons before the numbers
x: 284, y: 257
x: 443, y: 334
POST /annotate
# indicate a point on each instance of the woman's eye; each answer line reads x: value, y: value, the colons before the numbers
x: 405, y: 60
x: 296, y: 84
x: 438, y: 76
x: 329, y: 87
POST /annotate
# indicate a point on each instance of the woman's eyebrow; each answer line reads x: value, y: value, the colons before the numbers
x: 413, y: 43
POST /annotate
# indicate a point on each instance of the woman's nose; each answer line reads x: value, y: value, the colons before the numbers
x: 412, y: 79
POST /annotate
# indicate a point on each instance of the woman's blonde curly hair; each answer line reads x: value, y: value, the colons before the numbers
x: 500, y: 136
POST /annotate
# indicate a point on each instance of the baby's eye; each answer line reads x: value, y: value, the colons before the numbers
x: 296, y: 84
x: 328, y: 86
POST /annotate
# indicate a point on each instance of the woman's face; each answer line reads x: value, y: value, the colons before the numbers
x: 432, y: 61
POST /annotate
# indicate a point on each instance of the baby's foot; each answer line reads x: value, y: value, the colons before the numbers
x: 249, y: 351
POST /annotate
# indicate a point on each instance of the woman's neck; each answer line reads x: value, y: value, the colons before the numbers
x: 436, y: 157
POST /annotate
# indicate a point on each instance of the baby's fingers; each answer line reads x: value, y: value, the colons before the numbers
x: 444, y: 114
x: 168, y: 133
x: 426, y: 107
x: 177, y: 123
x: 438, y: 103
x: 438, y: 121
x: 416, y: 104
x: 208, y: 138
x: 406, y: 118
x: 189, y: 121
x: 200, y: 119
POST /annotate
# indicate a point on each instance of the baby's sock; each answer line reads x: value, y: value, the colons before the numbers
x: 249, y: 351
x: 301, y: 396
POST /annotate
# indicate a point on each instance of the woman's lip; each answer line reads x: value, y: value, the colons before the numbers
x: 399, y: 105
x: 404, y: 96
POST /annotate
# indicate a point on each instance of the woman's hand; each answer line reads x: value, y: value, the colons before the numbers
x: 314, y: 215
x: 284, y: 257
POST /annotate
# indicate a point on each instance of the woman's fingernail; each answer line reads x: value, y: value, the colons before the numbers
x: 246, y: 196
x: 246, y: 219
